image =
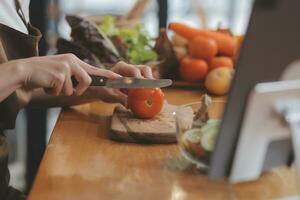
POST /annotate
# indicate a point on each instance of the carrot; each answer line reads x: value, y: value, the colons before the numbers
x: 226, y: 44
x: 184, y: 30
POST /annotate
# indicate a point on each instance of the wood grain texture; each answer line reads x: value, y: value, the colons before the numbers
x: 82, y: 163
x: 161, y: 129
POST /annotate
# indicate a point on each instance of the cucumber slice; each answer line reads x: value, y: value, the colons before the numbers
x: 215, y: 123
x: 208, y: 140
x: 209, y: 134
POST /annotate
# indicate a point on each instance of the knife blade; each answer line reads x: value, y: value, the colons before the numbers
x: 126, y: 82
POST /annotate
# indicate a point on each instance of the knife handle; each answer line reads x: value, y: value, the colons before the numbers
x: 96, y: 81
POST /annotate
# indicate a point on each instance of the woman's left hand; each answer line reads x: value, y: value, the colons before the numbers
x: 138, y: 71
x: 112, y: 95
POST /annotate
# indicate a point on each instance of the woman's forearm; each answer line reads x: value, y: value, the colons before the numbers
x: 41, y: 99
x: 10, y: 79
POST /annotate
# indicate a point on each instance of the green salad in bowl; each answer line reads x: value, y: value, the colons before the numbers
x: 197, y: 129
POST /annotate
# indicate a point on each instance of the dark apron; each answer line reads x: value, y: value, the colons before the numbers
x: 13, y: 45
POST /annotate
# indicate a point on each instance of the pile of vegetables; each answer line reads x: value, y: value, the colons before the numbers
x: 192, y: 54
x: 205, y: 55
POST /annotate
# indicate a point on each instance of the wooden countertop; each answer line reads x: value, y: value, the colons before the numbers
x: 82, y: 163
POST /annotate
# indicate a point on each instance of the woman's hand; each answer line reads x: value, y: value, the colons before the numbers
x: 138, y: 71
x: 124, y: 69
x: 53, y: 73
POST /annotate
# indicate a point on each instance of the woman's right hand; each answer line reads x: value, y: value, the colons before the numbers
x: 53, y: 73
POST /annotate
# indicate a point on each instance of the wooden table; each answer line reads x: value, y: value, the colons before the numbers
x: 82, y: 163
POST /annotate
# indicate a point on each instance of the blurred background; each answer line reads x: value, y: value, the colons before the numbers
x: 34, y: 126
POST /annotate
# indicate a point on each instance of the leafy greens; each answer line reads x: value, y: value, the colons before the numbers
x: 136, y: 39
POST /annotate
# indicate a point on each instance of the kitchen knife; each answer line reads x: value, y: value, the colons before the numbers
x: 126, y: 82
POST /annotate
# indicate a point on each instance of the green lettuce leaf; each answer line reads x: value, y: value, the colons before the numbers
x: 137, y: 40
x: 108, y: 26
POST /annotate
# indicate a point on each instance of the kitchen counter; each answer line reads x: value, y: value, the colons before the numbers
x: 82, y: 163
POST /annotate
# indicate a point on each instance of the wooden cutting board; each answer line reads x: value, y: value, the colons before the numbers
x: 161, y: 129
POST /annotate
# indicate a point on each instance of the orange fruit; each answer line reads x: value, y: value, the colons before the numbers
x: 218, y: 80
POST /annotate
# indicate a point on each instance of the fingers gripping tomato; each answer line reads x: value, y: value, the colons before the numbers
x: 145, y: 103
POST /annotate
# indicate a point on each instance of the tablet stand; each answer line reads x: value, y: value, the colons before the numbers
x: 290, y: 111
x: 265, y: 139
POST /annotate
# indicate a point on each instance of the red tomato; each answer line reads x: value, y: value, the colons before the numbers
x: 203, y: 48
x: 193, y: 69
x: 145, y: 103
